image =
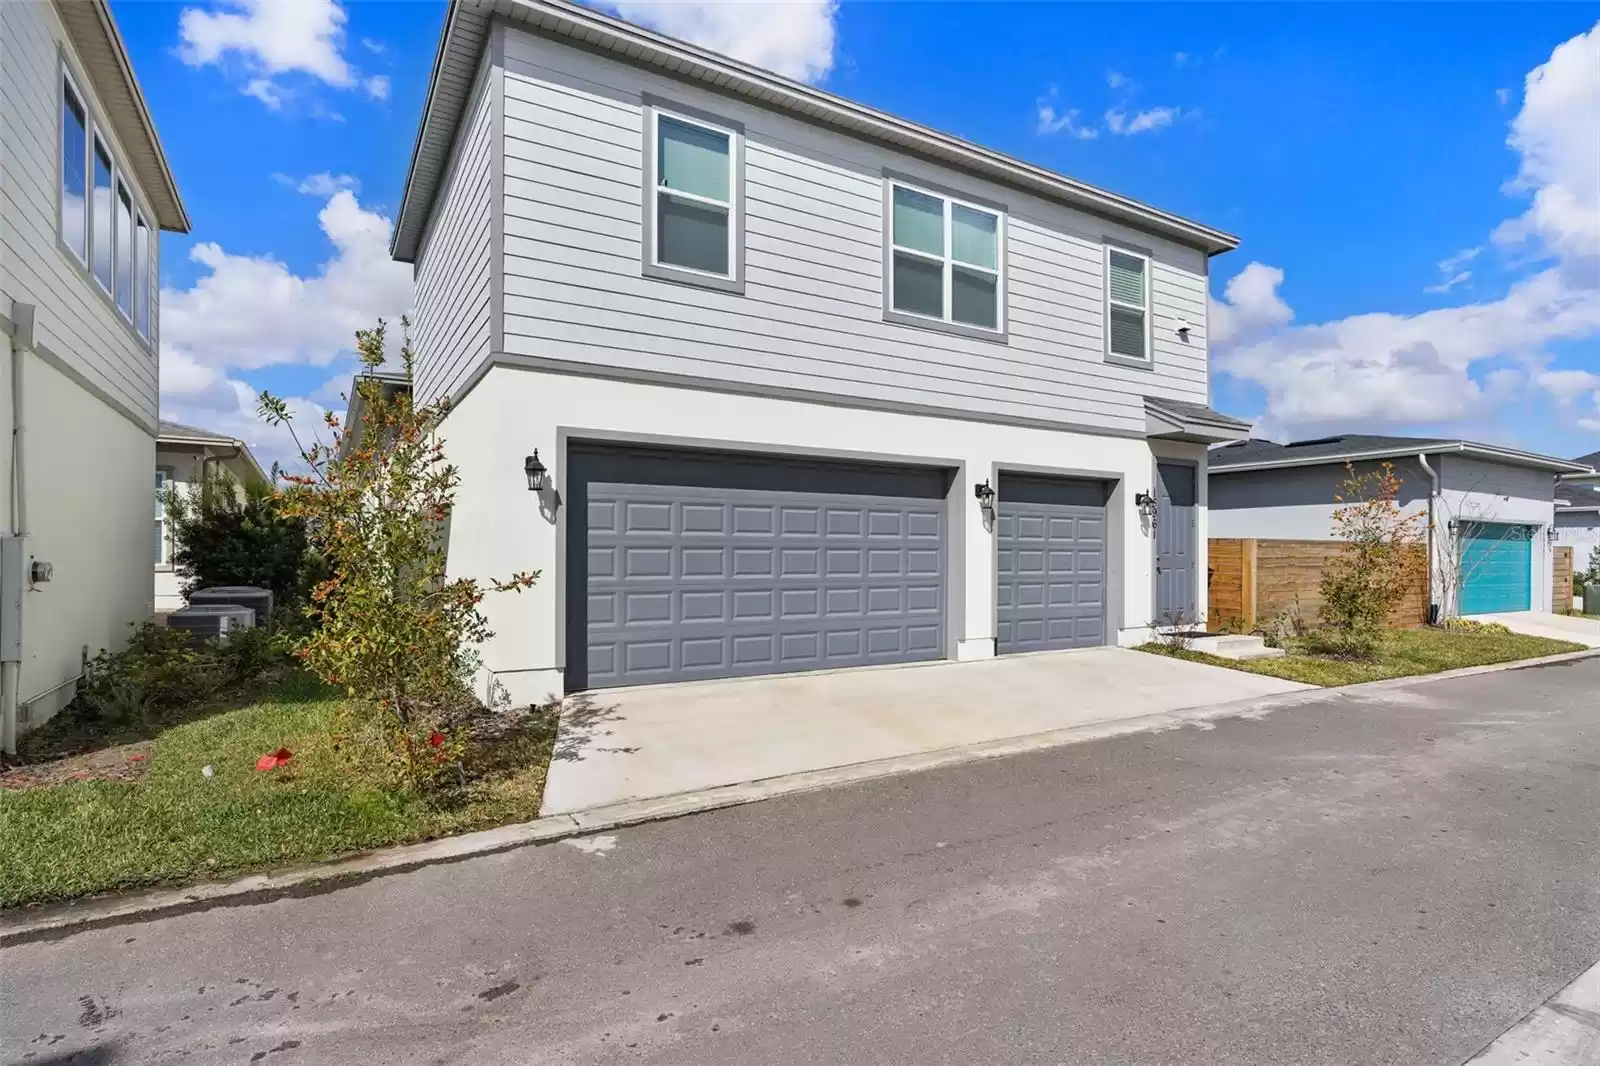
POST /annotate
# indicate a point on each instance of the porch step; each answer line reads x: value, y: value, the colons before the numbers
x: 1235, y: 647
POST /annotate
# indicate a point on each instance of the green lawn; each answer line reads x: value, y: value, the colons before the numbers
x: 171, y: 823
x: 1404, y: 653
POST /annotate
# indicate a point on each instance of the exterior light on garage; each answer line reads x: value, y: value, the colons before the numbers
x: 1146, y: 504
x: 985, y: 495
x: 535, y: 471
x: 1551, y: 533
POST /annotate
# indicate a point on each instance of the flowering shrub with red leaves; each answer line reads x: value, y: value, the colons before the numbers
x: 390, y: 627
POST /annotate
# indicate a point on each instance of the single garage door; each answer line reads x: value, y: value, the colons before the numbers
x: 1051, y: 566
x: 687, y: 565
x: 1496, y: 568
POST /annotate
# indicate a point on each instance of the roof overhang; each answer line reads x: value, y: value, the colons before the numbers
x: 1198, y: 426
x: 466, y: 29
x: 390, y: 382
x: 105, y: 59
x: 1508, y: 456
x: 241, y: 450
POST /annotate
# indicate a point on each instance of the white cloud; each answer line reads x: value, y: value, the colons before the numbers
x: 1569, y: 385
x: 1120, y: 122
x: 1378, y: 369
x: 1450, y: 272
x: 1116, y: 79
x: 1449, y: 282
x: 795, y: 38
x: 262, y: 40
x: 1048, y: 121
x: 1503, y: 95
x: 321, y: 185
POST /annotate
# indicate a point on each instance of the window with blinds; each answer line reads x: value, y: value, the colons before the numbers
x: 944, y: 260
x: 1127, y: 305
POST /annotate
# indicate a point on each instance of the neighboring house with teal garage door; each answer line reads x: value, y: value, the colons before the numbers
x: 1488, y: 513
x: 1578, y: 513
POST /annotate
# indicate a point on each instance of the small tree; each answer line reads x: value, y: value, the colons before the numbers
x: 228, y: 533
x: 390, y: 627
x: 1364, y: 582
x: 1591, y: 573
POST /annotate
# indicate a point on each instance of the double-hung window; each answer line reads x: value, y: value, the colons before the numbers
x: 692, y: 199
x: 101, y: 214
x: 1127, y: 305
x: 74, y: 177
x: 945, y: 260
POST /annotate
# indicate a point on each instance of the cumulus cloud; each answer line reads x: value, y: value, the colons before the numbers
x: 247, y: 312
x: 261, y: 40
x: 1122, y: 123
x: 1385, y: 369
x: 794, y: 38
x: 321, y: 185
x: 1051, y: 119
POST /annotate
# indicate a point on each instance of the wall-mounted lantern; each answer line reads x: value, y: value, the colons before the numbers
x: 1551, y: 532
x: 1146, y: 504
x: 985, y: 495
x: 535, y: 471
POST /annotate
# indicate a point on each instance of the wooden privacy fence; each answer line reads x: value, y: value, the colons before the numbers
x: 1561, y: 583
x: 1254, y: 581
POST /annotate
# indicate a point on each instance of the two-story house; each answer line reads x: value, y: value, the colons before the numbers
x: 84, y: 190
x: 764, y: 380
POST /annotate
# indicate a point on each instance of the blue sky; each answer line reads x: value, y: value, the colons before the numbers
x: 1420, y: 218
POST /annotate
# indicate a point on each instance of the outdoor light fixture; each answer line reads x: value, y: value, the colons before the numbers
x: 1146, y: 504
x: 535, y: 471
x: 1550, y: 532
x: 985, y: 495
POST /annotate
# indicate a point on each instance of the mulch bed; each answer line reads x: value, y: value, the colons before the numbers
x: 122, y: 763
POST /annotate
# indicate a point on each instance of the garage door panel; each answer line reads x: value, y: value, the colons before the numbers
x: 1496, y: 568
x: 687, y: 581
x: 1051, y: 556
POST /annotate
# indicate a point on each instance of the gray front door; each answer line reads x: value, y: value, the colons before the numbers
x: 685, y: 565
x: 1176, y: 501
x: 1051, y: 539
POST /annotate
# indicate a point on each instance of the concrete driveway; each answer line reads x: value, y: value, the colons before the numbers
x: 640, y: 743
x: 1585, y: 631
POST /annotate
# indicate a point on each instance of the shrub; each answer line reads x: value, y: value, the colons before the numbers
x: 159, y: 670
x: 1472, y: 625
x: 1380, y: 556
x: 228, y: 533
x: 391, y: 628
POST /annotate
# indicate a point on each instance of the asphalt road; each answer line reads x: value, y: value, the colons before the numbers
x: 1390, y: 879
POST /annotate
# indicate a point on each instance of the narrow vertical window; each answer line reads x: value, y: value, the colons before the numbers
x: 1127, y: 305
x: 694, y: 197
x: 124, y: 250
x: 163, y: 555
x: 74, y: 181
x: 141, y: 278
x: 100, y: 214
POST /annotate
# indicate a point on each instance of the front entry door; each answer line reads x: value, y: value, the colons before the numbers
x: 1177, y: 499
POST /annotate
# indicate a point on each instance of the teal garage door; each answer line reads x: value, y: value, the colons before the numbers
x: 1496, y: 568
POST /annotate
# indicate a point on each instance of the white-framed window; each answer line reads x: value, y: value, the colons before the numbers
x: 74, y: 163
x: 101, y: 213
x: 163, y: 542
x: 125, y: 256
x: 143, y: 259
x: 694, y: 196
x: 1127, y: 304
x: 945, y: 259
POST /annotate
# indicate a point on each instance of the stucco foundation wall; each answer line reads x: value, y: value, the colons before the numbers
x: 500, y: 527
x: 90, y: 494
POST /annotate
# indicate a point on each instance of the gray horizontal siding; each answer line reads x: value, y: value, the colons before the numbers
x: 454, y: 280
x: 74, y: 319
x: 811, y: 315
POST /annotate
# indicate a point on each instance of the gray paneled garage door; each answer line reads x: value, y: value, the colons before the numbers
x: 688, y: 565
x: 1051, y: 567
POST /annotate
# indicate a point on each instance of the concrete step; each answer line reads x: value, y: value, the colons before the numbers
x: 1235, y: 646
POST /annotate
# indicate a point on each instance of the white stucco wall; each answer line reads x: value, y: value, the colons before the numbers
x: 500, y: 527
x: 1581, y: 533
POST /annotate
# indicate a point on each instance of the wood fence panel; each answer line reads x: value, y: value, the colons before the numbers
x: 1561, y: 584
x: 1225, y: 588
x: 1286, y: 576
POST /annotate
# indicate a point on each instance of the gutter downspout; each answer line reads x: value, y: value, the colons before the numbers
x: 1434, y: 607
x: 22, y: 316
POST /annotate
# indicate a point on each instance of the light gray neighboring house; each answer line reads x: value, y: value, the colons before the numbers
x: 1489, y: 513
x: 1578, y: 512
x: 761, y: 379
x: 184, y: 455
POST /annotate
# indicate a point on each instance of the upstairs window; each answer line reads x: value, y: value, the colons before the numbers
x: 944, y: 260
x: 74, y: 176
x: 124, y: 251
x: 692, y: 200
x: 1127, y: 305
x: 100, y: 215
x: 143, y: 283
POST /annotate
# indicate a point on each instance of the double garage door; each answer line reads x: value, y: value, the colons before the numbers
x: 687, y: 565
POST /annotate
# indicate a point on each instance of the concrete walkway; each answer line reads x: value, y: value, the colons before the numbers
x: 1585, y: 631
x: 631, y: 744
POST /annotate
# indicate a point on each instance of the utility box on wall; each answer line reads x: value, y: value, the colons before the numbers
x: 12, y: 584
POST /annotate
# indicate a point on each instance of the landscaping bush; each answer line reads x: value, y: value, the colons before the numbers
x: 391, y: 628
x: 159, y: 670
x: 228, y: 533
x: 1381, y: 550
x: 1472, y: 625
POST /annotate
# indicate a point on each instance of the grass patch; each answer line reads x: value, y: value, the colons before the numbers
x: 172, y: 823
x: 1403, y: 653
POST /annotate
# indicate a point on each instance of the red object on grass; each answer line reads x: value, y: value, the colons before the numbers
x: 135, y: 758
x: 435, y: 739
x: 278, y: 758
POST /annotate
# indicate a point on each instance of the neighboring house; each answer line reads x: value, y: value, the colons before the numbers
x: 184, y: 455
x: 1492, y: 509
x: 774, y: 350
x: 84, y: 188
x: 1578, y: 512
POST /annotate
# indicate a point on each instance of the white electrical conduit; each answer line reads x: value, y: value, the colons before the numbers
x: 11, y: 672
